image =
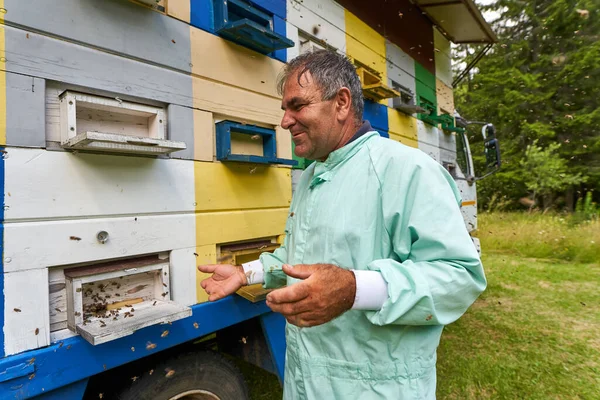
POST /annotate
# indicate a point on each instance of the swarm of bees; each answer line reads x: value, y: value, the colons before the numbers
x: 99, y: 306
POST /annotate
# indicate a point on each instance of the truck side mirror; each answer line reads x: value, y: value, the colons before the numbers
x: 491, y: 151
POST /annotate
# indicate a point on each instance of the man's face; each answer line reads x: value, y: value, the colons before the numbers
x: 312, y: 122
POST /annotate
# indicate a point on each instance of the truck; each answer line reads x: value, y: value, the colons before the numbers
x: 141, y: 138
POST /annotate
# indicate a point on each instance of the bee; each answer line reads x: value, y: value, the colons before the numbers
x: 102, y: 324
x: 17, y: 309
x: 77, y: 313
x: 58, y: 310
x: 150, y: 372
x: 78, y: 290
x: 196, y: 325
x: 134, y: 378
x: 164, y: 334
x: 164, y: 294
x: 132, y: 348
x: 117, y: 294
x: 37, y: 331
x: 31, y: 361
x: 164, y: 284
x: 154, y: 303
x: 150, y: 346
x: 31, y: 376
x: 170, y: 372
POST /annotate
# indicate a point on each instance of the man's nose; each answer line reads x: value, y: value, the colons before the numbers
x: 287, y: 121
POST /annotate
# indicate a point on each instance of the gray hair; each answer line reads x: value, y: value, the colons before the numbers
x: 331, y: 72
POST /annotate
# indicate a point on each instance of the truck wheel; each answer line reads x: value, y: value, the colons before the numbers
x: 202, y: 375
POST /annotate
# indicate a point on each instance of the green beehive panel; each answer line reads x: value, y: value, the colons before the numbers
x: 425, y: 87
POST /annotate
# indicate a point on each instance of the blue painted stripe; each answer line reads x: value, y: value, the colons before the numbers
x: 202, y: 15
x: 75, y: 359
x: 377, y: 115
x: 279, y: 26
x: 273, y: 326
x: 2, y: 152
x: 275, y: 7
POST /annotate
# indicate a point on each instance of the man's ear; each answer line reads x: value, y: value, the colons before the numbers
x: 343, y: 104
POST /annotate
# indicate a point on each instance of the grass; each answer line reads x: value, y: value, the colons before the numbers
x: 535, y: 332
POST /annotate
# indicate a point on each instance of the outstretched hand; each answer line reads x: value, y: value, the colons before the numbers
x: 325, y: 292
x: 226, y: 280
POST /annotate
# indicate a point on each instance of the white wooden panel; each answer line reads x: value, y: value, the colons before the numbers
x: 443, y: 58
x: 447, y: 141
x: 183, y: 276
x: 323, y: 19
x: 429, y: 141
x: 27, y: 292
x: 399, y: 59
x: 33, y: 245
x: 292, y: 34
x: 48, y: 184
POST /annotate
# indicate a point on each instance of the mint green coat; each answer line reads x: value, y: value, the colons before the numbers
x: 376, y: 204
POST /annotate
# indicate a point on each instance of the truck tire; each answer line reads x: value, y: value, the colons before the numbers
x: 202, y: 375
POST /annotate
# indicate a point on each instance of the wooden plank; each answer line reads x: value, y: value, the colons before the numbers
x: 254, y: 293
x: 245, y: 144
x: 404, y: 140
x: 234, y: 64
x: 180, y: 128
x: 284, y: 143
x: 179, y: 9
x: 26, y: 317
x: 237, y: 186
x: 429, y: 141
x: 78, y: 185
x: 90, y: 69
x: 2, y: 83
x: 292, y: 34
x: 233, y: 226
x: 443, y: 58
x: 402, y: 124
x: 400, y: 68
x: 365, y: 45
x: 183, y: 276
x: 111, y: 266
x: 120, y: 26
x: 445, y: 98
x: 39, y: 244
x: 205, y: 254
x: 25, y: 116
x: 57, y: 299
x: 146, y: 314
x: 322, y: 19
x: 204, y: 136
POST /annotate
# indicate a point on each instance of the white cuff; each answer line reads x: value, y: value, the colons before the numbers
x: 254, y: 272
x: 371, y: 290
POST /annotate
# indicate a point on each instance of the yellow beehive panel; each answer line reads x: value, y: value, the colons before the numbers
x: 2, y: 80
x: 445, y: 98
x: 365, y: 45
x: 404, y: 140
x: 204, y: 136
x: 221, y: 60
x: 401, y: 124
x: 233, y: 226
x: 238, y: 186
x: 207, y: 254
x: 284, y: 143
x: 235, y: 102
x: 179, y: 9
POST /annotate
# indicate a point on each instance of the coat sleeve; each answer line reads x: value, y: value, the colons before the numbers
x: 272, y: 263
x: 436, y: 274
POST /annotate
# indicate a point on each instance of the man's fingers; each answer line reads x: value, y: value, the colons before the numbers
x: 299, y: 271
x: 289, y: 294
x: 208, y: 268
x: 289, y: 309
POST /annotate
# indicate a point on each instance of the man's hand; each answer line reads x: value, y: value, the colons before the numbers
x: 226, y: 279
x: 326, y: 292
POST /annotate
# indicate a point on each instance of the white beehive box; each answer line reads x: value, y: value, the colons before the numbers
x: 95, y: 123
x: 111, y: 300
